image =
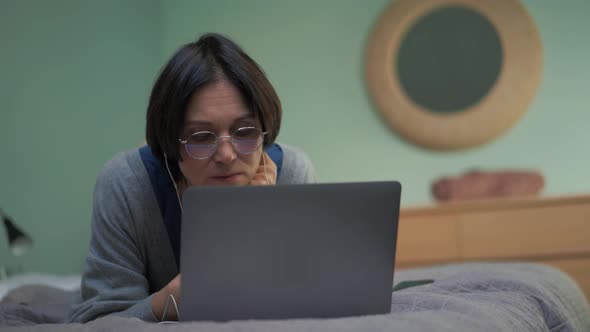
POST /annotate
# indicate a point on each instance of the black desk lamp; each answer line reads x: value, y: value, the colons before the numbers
x: 18, y: 241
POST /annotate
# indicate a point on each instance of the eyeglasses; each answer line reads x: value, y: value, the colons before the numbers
x: 203, y: 144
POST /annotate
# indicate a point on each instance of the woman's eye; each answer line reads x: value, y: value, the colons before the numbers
x: 202, y: 138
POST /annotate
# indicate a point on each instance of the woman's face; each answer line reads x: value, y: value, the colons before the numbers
x: 219, y: 108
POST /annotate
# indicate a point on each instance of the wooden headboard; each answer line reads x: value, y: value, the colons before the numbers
x: 555, y: 231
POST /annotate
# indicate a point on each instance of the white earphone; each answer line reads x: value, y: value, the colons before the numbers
x: 264, y: 167
x: 173, y: 182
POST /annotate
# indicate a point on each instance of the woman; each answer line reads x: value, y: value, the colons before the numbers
x: 212, y: 119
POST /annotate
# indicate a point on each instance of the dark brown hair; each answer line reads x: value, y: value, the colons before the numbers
x: 211, y: 58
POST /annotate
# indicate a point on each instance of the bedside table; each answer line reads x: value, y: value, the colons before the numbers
x: 555, y: 231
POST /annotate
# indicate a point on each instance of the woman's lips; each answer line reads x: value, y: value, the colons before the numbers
x: 226, y: 177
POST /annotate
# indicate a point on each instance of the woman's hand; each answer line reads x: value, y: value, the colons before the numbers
x: 262, y: 178
x: 161, y: 297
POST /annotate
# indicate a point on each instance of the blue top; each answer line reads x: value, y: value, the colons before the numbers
x: 166, y: 196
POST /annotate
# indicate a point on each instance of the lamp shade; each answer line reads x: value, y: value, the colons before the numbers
x: 18, y: 241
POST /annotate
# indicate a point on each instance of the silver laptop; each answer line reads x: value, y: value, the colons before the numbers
x: 291, y: 251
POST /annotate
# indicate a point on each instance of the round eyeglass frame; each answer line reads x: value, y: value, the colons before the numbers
x: 218, y: 138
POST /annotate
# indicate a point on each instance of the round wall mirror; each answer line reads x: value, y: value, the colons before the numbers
x: 449, y: 59
x: 449, y: 74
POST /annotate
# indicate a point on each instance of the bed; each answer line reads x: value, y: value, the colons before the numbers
x: 478, y: 284
x: 463, y: 297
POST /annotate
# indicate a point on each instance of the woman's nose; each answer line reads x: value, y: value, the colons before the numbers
x: 225, y: 151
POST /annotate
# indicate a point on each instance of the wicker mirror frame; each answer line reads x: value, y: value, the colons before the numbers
x: 503, y: 105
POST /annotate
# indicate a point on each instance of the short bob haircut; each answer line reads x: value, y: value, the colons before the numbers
x: 211, y: 58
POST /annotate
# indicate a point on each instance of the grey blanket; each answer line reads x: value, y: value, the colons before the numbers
x: 464, y: 297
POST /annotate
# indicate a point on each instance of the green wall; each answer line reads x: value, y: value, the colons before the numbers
x: 74, y: 82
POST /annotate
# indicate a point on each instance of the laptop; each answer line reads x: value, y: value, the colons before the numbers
x: 288, y: 251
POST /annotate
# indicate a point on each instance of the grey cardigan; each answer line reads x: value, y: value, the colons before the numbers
x: 130, y: 255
